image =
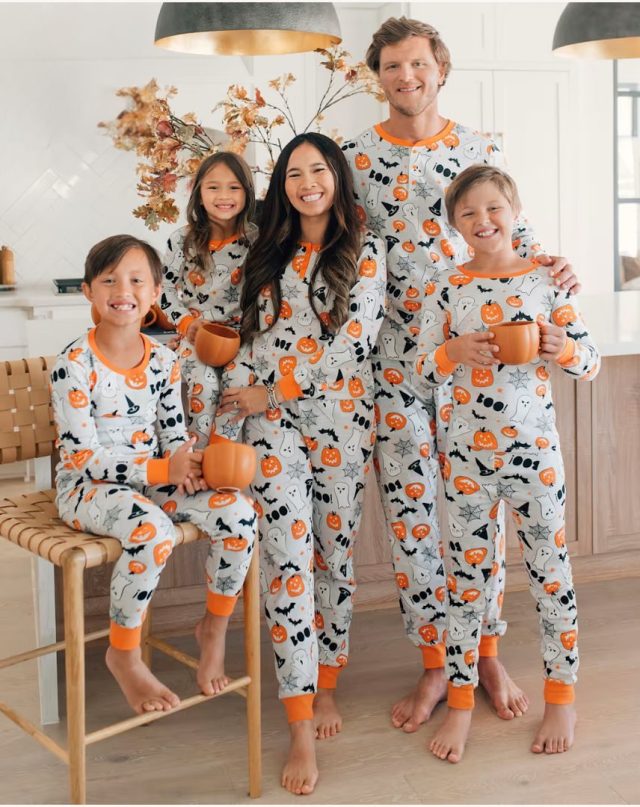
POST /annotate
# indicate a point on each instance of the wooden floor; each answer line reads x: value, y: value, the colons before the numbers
x: 199, y: 756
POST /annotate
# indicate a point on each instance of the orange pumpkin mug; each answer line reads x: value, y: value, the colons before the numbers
x: 217, y: 344
x: 519, y: 342
x: 228, y: 466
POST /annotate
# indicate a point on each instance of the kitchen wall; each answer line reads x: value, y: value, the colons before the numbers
x: 64, y: 186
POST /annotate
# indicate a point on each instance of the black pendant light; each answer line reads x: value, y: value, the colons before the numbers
x: 247, y: 29
x: 599, y: 31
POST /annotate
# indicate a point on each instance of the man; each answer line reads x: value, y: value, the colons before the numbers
x: 401, y: 170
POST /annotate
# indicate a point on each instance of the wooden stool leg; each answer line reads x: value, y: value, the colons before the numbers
x: 251, y: 600
x: 73, y: 584
x: 147, y: 650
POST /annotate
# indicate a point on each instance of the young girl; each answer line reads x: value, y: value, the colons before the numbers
x: 202, y: 272
x: 127, y: 469
x: 312, y: 305
x: 502, y: 444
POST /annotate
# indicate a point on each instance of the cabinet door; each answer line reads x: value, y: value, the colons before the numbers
x: 466, y: 28
x: 467, y: 98
x: 531, y: 112
x: 524, y: 31
x: 616, y: 455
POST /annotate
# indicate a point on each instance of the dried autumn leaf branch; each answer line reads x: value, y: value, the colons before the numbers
x: 171, y: 148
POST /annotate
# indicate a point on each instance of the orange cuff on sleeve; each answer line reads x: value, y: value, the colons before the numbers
x: 158, y: 471
x: 460, y: 697
x: 289, y: 387
x: 488, y: 647
x: 568, y: 352
x: 433, y: 656
x: 299, y: 707
x: 558, y: 692
x: 219, y: 604
x: 184, y: 323
x: 443, y: 362
x: 124, y: 638
x: 328, y: 676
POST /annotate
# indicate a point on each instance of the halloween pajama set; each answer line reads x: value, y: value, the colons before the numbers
x: 116, y: 431
x: 189, y: 292
x: 502, y: 444
x: 313, y: 459
x: 400, y: 188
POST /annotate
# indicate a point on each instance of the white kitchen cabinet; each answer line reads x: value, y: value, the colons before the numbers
x: 467, y: 98
x: 37, y: 321
x: 532, y: 112
x: 468, y: 29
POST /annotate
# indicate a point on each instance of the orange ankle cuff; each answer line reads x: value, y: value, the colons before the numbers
x: 559, y: 693
x: 328, y: 676
x: 460, y: 697
x: 124, y: 638
x: 299, y: 707
x: 220, y: 605
x: 488, y: 646
x: 433, y: 656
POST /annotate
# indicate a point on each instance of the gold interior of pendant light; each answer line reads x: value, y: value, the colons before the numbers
x: 626, y: 47
x: 244, y: 42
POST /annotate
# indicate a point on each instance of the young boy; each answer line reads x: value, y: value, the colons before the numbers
x: 502, y: 444
x: 127, y: 469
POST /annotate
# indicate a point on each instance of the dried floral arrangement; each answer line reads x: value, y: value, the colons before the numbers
x: 171, y: 148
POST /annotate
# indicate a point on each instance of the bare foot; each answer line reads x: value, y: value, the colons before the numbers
x: 326, y: 717
x: 450, y: 739
x: 210, y: 634
x: 414, y: 709
x: 555, y: 734
x: 143, y: 691
x: 507, y: 698
x: 300, y: 772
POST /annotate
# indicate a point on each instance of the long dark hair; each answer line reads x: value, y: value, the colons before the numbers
x: 277, y: 242
x: 196, y: 242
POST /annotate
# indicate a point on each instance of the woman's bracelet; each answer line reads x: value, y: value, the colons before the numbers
x: 271, y: 395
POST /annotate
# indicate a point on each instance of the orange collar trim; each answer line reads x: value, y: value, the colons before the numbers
x: 310, y: 247
x: 410, y: 144
x: 497, y: 276
x: 121, y: 370
x: 214, y: 246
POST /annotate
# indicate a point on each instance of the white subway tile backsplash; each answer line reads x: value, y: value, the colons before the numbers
x: 63, y: 184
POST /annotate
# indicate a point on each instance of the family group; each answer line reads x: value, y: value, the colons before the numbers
x: 365, y: 305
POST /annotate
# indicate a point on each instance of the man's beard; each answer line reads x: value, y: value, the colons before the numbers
x: 411, y: 111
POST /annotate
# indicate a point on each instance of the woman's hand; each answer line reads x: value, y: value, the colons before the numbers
x: 192, y: 330
x: 244, y: 401
x: 552, y: 341
x: 472, y: 349
x: 174, y: 342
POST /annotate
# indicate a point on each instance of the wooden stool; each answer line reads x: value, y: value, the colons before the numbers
x: 31, y: 521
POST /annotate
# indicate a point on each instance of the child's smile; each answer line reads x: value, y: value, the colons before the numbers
x: 124, y: 294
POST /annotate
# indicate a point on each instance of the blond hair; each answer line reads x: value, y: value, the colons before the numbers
x: 475, y: 175
x: 395, y: 30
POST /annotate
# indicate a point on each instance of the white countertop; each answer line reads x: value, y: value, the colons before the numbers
x: 39, y: 296
x: 613, y: 319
